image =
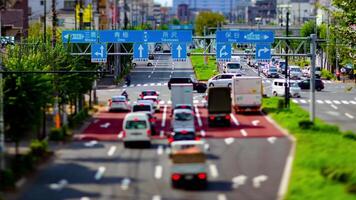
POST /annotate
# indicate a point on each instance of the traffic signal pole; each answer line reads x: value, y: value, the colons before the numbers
x: 312, y: 79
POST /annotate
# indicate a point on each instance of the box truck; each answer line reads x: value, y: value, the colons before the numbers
x: 246, y: 93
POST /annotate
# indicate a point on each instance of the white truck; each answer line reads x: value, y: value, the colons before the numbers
x: 181, y: 94
x: 247, y: 93
x: 188, y: 164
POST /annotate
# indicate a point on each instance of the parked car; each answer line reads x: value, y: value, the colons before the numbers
x: 305, y: 84
x: 118, y: 103
x: 197, y: 86
x: 136, y: 129
x: 222, y: 80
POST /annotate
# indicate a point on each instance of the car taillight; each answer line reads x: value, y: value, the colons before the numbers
x: 202, y: 176
x: 123, y: 134
x: 152, y: 120
x: 212, y: 117
x: 227, y: 117
x: 176, y: 177
x: 149, y: 132
x: 197, y: 138
x: 170, y: 140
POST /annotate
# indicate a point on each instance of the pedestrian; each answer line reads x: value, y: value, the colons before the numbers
x: 343, y: 74
x: 128, y: 80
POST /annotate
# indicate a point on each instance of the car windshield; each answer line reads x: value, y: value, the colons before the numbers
x: 185, y: 136
x: 136, y: 124
x: 183, y: 116
x: 233, y: 66
x: 294, y: 85
x: 139, y: 108
x: 272, y: 70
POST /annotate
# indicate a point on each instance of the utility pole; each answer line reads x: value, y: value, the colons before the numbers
x: 81, y: 15
x: 313, y: 38
x: 205, y: 46
x: 126, y: 20
x: 287, y: 71
x: 57, y: 119
x: 45, y: 21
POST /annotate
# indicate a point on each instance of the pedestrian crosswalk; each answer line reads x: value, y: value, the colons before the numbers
x: 318, y: 101
x: 146, y: 85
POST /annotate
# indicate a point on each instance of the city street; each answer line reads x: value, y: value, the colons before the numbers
x: 245, y: 161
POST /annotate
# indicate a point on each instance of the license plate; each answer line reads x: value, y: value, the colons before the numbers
x: 136, y: 133
x: 188, y: 177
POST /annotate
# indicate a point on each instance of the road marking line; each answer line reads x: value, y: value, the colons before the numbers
x: 200, y: 123
x: 159, y: 84
x: 158, y: 172
x: 195, y: 101
x: 243, y: 132
x: 213, y: 171
x: 85, y: 198
x: 156, y: 197
x: 124, y: 86
x: 163, y: 124
x: 160, y: 150
x: 345, y: 102
x: 96, y: 121
x: 238, y: 180
x: 255, y: 122
x: 236, y: 122
x: 145, y: 84
x: 202, y: 133
x: 271, y: 139
x: 119, y: 136
x: 336, y: 102
x: 302, y: 101
x: 99, y: 174
x: 152, y: 84
x: 349, y: 116
x: 20, y: 182
x: 165, y: 83
x: 319, y: 101
x: 258, y: 180
x: 295, y: 101
x: 161, y: 102
x: 168, y: 150
x: 125, y: 183
x: 106, y: 125
x: 91, y: 143
x: 169, y: 102
x: 333, y: 106
x: 229, y: 140
x: 353, y: 102
x: 170, y: 76
x: 138, y: 85
x: 111, y: 150
x: 328, y: 102
x: 222, y: 197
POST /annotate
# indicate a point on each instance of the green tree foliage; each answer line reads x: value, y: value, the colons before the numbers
x: 175, y: 21
x: 208, y: 19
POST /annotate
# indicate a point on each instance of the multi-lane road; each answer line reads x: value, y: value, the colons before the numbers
x: 246, y: 161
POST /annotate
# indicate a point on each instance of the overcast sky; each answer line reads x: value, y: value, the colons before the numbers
x: 163, y: 2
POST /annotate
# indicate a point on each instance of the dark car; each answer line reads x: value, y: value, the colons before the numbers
x: 305, y: 84
x: 199, y: 87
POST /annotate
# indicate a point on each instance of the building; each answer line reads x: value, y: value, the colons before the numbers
x: 14, y: 18
x: 183, y: 13
x: 300, y: 11
x: 262, y: 12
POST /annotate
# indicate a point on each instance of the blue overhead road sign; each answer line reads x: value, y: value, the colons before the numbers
x: 98, y: 53
x: 263, y: 51
x: 179, y: 51
x: 140, y: 51
x: 120, y: 36
x: 243, y: 36
x: 171, y: 36
x: 223, y: 51
x: 79, y: 36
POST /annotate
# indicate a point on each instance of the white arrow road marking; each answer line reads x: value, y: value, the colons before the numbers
x: 160, y: 150
x: 243, y: 132
x: 271, y: 139
x: 234, y: 119
x: 222, y: 197
x: 158, y: 172
x: 60, y: 185
x: 255, y: 122
x: 91, y: 143
x: 99, y: 174
x: 229, y: 140
x: 213, y: 171
x: 125, y: 183
x: 163, y: 124
x: 238, y: 180
x: 349, y: 116
x: 156, y: 197
x: 179, y: 49
x: 111, y: 150
x: 258, y: 180
x: 200, y: 123
x: 106, y: 125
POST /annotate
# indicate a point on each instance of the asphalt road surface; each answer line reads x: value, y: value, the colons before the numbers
x: 245, y: 161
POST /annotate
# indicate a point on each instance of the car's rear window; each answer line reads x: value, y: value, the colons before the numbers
x: 118, y: 99
x: 273, y: 70
x: 184, y: 107
x: 138, y: 108
x: 136, y: 124
x: 233, y: 66
x: 180, y: 80
x: 149, y: 93
x: 183, y: 116
x: 186, y: 136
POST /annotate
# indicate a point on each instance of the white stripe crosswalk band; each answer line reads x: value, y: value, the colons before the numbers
x: 336, y: 102
x: 345, y: 102
x: 319, y: 101
x: 353, y: 102
x: 328, y: 102
x: 302, y: 101
x: 295, y: 101
x: 349, y: 116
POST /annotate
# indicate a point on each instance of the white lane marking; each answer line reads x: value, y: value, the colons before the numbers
x: 159, y: 84
x: 243, y: 132
x: 319, y: 101
x: 161, y: 133
x: 85, y: 198
x: 200, y: 123
x: 234, y: 119
x: 222, y: 197
x: 145, y: 84
x: 152, y: 84
x: 345, y: 102
x: 333, y: 113
x: 20, y: 182
x: 125, y: 86
x: 165, y: 83
x: 111, y: 150
x: 302, y: 101
x: 169, y: 102
x: 229, y: 140
x: 161, y: 102
x: 202, y: 133
x: 195, y: 101
x: 160, y: 150
x: 138, y: 85
x: 99, y: 174
x: 258, y: 180
x: 170, y: 76
x: 238, y: 180
x: 125, y: 183
x: 295, y: 101
x: 91, y: 143
x: 168, y: 150
x: 353, y: 102
x: 106, y: 125
x: 271, y: 139
x: 152, y: 71
x: 156, y: 197
x: 58, y: 186
x: 336, y: 102
x: 213, y: 171
x: 255, y: 122
x: 158, y: 172
x: 328, y: 102
x: 349, y: 116
x: 163, y: 124
x: 333, y: 106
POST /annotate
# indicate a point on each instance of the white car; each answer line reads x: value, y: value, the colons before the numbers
x: 232, y: 67
x: 295, y: 72
x: 146, y: 107
x: 118, y: 103
x: 183, y: 119
x: 154, y: 100
x: 136, y: 129
x: 222, y: 80
x: 278, y: 88
x: 141, y: 62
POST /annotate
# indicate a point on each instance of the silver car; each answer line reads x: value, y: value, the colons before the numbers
x: 183, y: 119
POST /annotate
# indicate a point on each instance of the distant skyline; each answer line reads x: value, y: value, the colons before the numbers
x: 164, y: 2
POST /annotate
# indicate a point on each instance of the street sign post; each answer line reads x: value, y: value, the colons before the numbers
x: 179, y: 51
x: 223, y: 51
x: 140, y: 51
x: 244, y: 36
x: 80, y: 36
x: 263, y: 52
x: 98, y: 53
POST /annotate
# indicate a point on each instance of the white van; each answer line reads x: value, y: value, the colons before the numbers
x: 278, y: 88
x: 233, y: 67
x: 136, y: 129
